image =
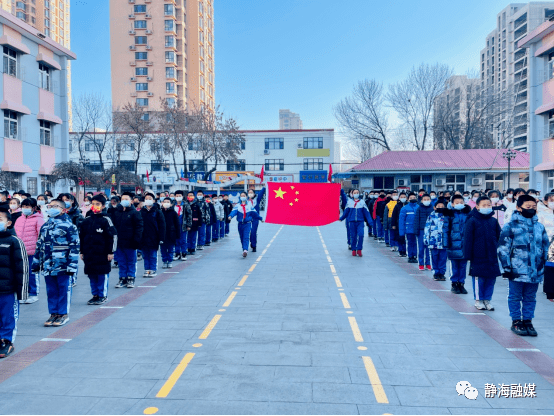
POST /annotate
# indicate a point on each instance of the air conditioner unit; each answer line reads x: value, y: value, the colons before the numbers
x: 148, y: 32
x: 133, y: 79
x: 148, y: 16
x: 131, y: 1
x: 440, y: 182
x: 131, y: 16
x: 132, y: 47
x: 148, y: 78
x: 150, y: 94
x: 148, y: 47
x: 266, y: 152
x: 132, y: 32
x: 300, y: 145
x: 476, y: 181
x: 401, y: 182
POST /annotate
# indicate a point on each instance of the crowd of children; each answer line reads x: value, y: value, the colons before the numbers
x: 46, y: 237
x: 510, y: 237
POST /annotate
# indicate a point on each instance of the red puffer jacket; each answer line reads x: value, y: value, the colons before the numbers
x: 28, y: 230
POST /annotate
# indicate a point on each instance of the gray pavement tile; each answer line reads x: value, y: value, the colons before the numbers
x: 342, y: 336
x: 124, y: 388
x: 309, y: 327
x: 495, y: 365
x: 543, y: 401
x: 312, y: 409
x: 239, y: 373
x: 417, y: 362
x: 323, y: 359
x: 215, y: 357
x: 45, y: 404
x: 111, y: 406
x: 480, y: 378
x: 394, y: 338
x: 269, y: 326
x: 300, y: 374
x: 248, y: 345
x: 292, y: 336
x: 349, y: 393
x: 436, y: 397
x: 214, y: 389
x: 229, y: 334
x: 165, y: 406
x: 312, y: 346
x: 488, y: 411
x: 443, y: 350
x: 382, y: 409
x: 38, y: 385
x: 390, y: 377
x: 272, y: 391
x: 280, y: 359
x: 212, y: 407
x: 479, y: 338
x: 93, y: 370
x: 162, y: 371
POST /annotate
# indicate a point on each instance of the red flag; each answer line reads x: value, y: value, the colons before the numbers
x: 330, y: 177
x: 147, y: 176
x: 262, y: 174
x: 308, y: 204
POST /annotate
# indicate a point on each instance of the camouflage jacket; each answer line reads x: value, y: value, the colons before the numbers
x: 57, y: 247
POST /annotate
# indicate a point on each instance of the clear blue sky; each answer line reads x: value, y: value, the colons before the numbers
x: 305, y: 55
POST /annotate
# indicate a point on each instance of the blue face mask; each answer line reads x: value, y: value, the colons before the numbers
x: 243, y: 198
x: 459, y: 207
x: 126, y: 203
x: 485, y: 211
x: 2, y: 226
x: 27, y: 211
x: 54, y: 212
x: 67, y: 204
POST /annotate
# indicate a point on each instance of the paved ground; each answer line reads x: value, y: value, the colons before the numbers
x: 301, y: 327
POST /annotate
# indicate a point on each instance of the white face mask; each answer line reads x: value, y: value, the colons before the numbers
x: 356, y: 196
x: 148, y: 202
x: 426, y: 203
x: 475, y: 198
x: 395, y: 198
x: 220, y: 199
x: 167, y: 204
x: 495, y: 200
x: 402, y: 200
x: 41, y: 202
x: 178, y: 198
x: 13, y: 207
x: 551, y: 205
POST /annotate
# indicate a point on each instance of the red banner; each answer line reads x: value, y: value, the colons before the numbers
x: 307, y: 204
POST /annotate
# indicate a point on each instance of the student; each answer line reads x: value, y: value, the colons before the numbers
x: 423, y: 211
x: 434, y: 199
x: 435, y: 236
x: 14, y: 279
x: 27, y: 228
x: 85, y: 207
x: 498, y: 208
x: 15, y: 210
x: 114, y: 203
x: 511, y: 208
x: 206, y: 218
x: 98, y: 238
x: 472, y: 202
x: 357, y: 213
x: 523, y: 251
x: 4, y: 200
x: 199, y: 216
x: 378, y: 210
x: 369, y: 204
x: 401, y: 241
x: 344, y: 202
x: 548, y: 285
x: 213, y: 221
x: 74, y: 214
x: 227, y: 208
x: 389, y: 233
x: 481, y: 235
x: 456, y: 226
x: 57, y: 255
x: 216, y: 229
x: 255, y: 201
x: 152, y: 235
x: 129, y: 225
x: 172, y: 233
x: 406, y: 226
x: 182, y: 208
x: 245, y: 213
x: 508, y: 198
x: 545, y: 213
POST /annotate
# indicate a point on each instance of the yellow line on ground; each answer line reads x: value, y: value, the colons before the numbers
x: 251, y: 269
x: 355, y: 329
x: 259, y: 258
x: 344, y: 301
x: 230, y: 299
x: 210, y: 326
x: 333, y: 270
x: 378, y: 390
x: 166, y: 388
x: 329, y: 259
x: 243, y: 280
x: 337, y: 281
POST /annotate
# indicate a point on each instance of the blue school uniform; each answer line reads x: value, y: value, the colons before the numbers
x: 245, y: 214
x: 356, y: 213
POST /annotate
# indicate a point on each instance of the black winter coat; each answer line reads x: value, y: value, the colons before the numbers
x: 481, y: 236
x: 200, y: 214
x: 154, y: 227
x: 129, y: 225
x: 456, y: 226
x: 227, y: 208
x: 98, y: 238
x: 14, y: 266
x: 396, y: 215
x: 172, y: 226
x: 74, y: 213
x: 15, y: 217
x: 420, y: 217
x: 213, y: 215
x: 381, y: 207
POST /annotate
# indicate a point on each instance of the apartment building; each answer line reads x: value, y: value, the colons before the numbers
x: 34, y: 104
x: 504, y: 68
x: 289, y: 120
x: 162, y: 50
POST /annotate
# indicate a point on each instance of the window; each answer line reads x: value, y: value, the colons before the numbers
x: 169, y: 41
x: 169, y: 25
x: 94, y: 166
x: 197, y: 165
x: 313, y: 142
x: 170, y: 57
x: 127, y: 165
x: 142, y: 102
x: 10, y: 61
x: 141, y: 56
x: 243, y: 145
x: 494, y: 181
x: 145, y: 116
x: 45, y: 133
x: 170, y: 88
x: 32, y: 186
x: 238, y: 165
x: 141, y: 71
x: 141, y: 40
x: 142, y: 86
x: 170, y: 72
x: 383, y: 182
x: 418, y: 182
x: 274, y: 164
x: 46, y: 21
x: 159, y: 166
x: 169, y: 10
x: 170, y: 102
x: 274, y: 144
x: 313, y: 164
x: 10, y: 124
x: 125, y: 146
x: 551, y: 65
x: 456, y: 182
x: 44, y: 77
x: 140, y: 8
x: 140, y: 24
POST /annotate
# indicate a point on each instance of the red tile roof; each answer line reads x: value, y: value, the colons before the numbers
x: 443, y: 160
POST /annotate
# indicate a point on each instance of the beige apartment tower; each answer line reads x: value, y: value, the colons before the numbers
x: 289, y: 120
x: 162, y: 49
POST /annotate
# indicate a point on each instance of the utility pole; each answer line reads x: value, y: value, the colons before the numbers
x: 509, y: 155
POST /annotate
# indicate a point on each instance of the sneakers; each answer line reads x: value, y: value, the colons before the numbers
x: 61, y: 320
x: 115, y: 265
x: 359, y: 253
x: 93, y: 301
x: 6, y: 348
x: 139, y: 257
x: 488, y: 305
x: 130, y: 282
x: 31, y: 299
x: 208, y: 244
x: 353, y: 253
x: 519, y: 328
x: 422, y: 268
x: 184, y: 257
x: 101, y: 300
x: 146, y: 273
x: 530, y: 329
x: 253, y: 249
x: 402, y: 254
x: 412, y: 260
x: 428, y: 267
x: 170, y: 265
x: 152, y: 273
x: 177, y: 256
x: 349, y: 247
x: 462, y: 289
x: 480, y: 305
x: 455, y: 288
x: 245, y: 253
x: 122, y: 283
x: 394, y: 248
x: 387, y: 245
x: 51, y: 320
x: 200, y: 248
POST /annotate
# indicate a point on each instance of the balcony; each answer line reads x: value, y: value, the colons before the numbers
x: 149, y: 79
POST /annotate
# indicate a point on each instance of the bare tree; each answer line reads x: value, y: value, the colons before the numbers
x: 359, y: 148
x: 9, y: 180
x: 172, y: 122
x: 75, y: 173
x: 135, y: 126
x: 413, y: 99
x: 122, y: 175
x: 363, y: 115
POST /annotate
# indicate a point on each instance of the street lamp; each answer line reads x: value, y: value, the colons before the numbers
x: 509, y: 155
x: 84, y: 161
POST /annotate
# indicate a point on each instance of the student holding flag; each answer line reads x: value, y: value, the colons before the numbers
x: 356, y: 213
x: 245, y: 214
x: 254, y: 201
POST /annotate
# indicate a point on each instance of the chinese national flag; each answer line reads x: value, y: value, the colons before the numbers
x: 330, y: 177
x: 308, y: 204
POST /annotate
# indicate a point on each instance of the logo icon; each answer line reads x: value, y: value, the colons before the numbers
x: 465, y: 388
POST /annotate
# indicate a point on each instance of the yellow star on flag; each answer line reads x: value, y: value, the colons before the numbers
x: 292, y: 187
x: 291, y: 204
x: 279, y: 193
x: 297, y: 192
x: 296, y: 200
